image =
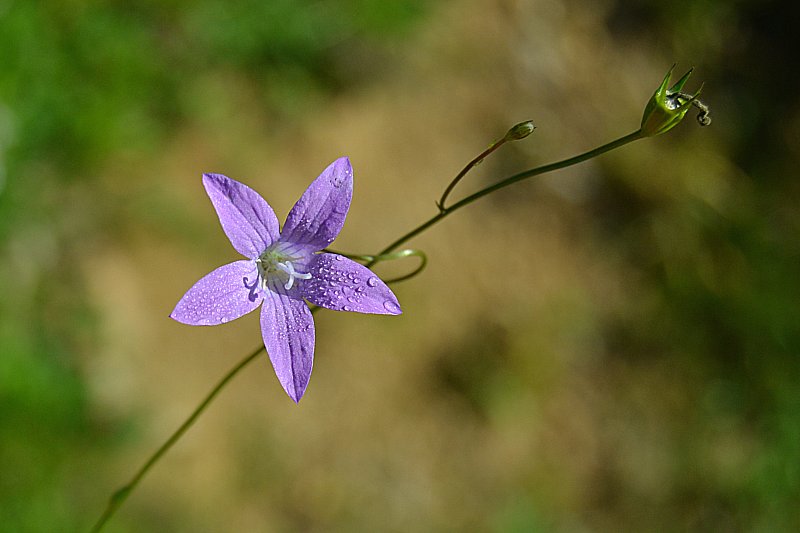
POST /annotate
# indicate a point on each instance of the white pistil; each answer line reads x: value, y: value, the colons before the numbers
x: 288, y: 267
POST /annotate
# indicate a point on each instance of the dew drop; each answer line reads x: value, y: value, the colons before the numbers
x: 339, y: 258
x: 346, y: 308
x: 351, y: 299
x: 372, y: 282
x: 392, y: 307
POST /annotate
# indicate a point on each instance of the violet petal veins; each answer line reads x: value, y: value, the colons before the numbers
x: 220, y: 296
x: 341, y: 284
x: 246, y: 218
x: 284, y: 269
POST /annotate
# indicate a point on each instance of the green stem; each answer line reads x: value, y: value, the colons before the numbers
x: 119, y: 497
x: 443, y: 212
x: 423, y: 261
x: 492, y: 147
x: 374, y: 259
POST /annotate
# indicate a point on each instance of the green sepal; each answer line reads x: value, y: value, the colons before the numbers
x: 666, y: 108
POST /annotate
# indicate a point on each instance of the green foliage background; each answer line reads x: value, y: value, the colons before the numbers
x: 705, y: 349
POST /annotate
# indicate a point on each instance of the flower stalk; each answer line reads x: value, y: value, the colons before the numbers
x: 119, y: 497
x: 515, y: 133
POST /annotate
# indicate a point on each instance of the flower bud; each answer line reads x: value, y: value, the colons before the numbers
x: 520, y: 131
x: 667, y: 107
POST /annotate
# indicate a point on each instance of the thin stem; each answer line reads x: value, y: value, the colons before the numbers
x: 423, y: 261
x: 558, y: 165
x: 492, y: 147
x: 119, y: 497
x: 443, y: 212
x: 515, y: 133
x: 374, y: 259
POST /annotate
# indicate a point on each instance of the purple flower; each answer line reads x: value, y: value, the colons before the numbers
x: 283, y: 270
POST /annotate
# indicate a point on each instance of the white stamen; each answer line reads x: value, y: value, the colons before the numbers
x: 288, y: 267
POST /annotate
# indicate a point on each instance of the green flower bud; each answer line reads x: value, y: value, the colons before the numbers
x: 520, y: 131
x: 668, y: 106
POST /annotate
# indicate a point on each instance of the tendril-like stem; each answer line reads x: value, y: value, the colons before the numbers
x: 374, y: 259
x: 409, y: 253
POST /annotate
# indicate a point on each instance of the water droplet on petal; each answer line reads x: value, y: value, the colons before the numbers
x: 346, y: 308
x: 392, y: 307
x: 339, y: 258
x: 372, y: 282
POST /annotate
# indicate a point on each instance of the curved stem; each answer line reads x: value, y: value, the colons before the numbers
x: 443, y: 212
x: 119, y: 497
x: 515, y: 133
x: 492, y: 147
x: 402, y: 254
x: 423, y: 262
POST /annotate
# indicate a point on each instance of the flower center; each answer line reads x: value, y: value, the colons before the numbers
x: 277, y: 262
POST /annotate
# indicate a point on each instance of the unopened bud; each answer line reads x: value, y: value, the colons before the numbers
x: 520, y: 131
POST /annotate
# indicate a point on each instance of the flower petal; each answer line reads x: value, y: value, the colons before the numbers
x: 287, y: 327
x: 220, y: 296
x: 318, y: 216
x: 247, y: 219
x: 341, y: 284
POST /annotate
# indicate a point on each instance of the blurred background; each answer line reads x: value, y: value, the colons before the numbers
x: 612, y: 347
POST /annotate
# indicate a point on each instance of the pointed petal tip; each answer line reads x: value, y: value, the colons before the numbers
x: 392, y: 307
x: 294, y: 391
x: 334, y: 275
x: 343, y: 166
x: 212, y: 177
x: 175, y: 315
x: 287, y: 328
x: 217, y: 182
